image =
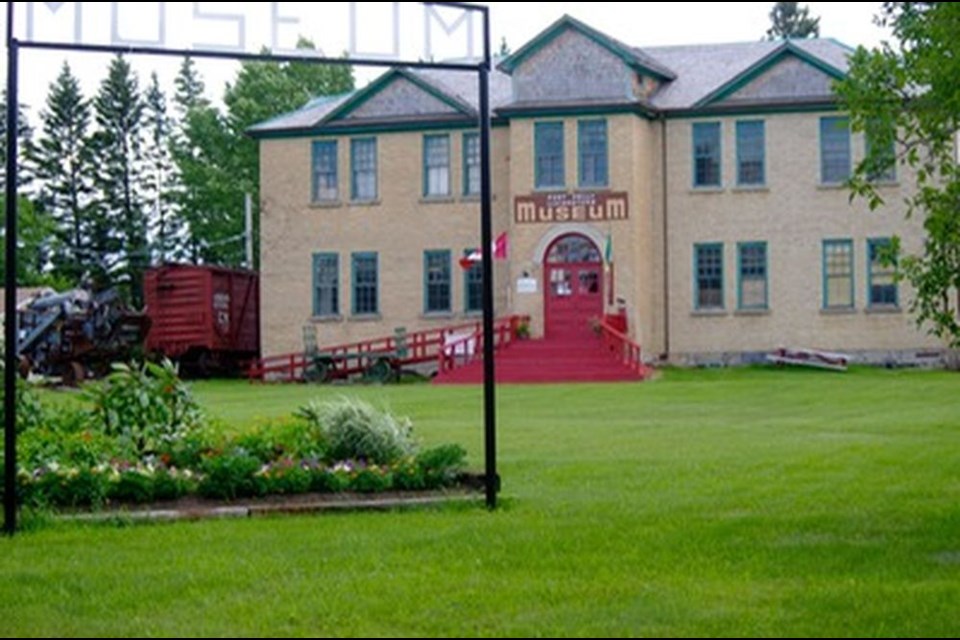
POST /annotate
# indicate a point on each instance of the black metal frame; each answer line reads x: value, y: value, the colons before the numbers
x: 483, y: 69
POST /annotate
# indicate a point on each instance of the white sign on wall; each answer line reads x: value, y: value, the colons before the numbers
x: 388, y: 31
x: 527, y: 286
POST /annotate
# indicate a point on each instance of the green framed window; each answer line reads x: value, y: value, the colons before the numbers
x: 753, y: 288
x: 706, y: 154
x: 325, y: 178
x: 473, y: 285
x: 834, y: 150
x: 366, y: 284
x: 593, y: 153
x: 437, y: 282
x: 882, y: 274
x: 548, y: 155
x: 326, y: 285
x: 471, y: 164
x: 708, y: 276
x: 436, y: 165
x: 881, y: 150
x: 751, y: 153
x: 838, y: 274
x: 363, y: 169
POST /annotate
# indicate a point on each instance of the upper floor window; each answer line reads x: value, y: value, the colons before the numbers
x: 471, y: 164
x: 549, y: 165
x: 881, y: 153
x: 751, y: 147
x: 593, y: 153
x: 436, y: 165
x: 363, y: 169
x: 706, y: 154
x: 834, y: 150
x: 325, y: 178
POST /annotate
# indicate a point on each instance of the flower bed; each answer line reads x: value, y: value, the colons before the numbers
x: 144, y: 441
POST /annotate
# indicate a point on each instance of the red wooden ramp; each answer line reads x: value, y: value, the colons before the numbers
x: 610, y: 357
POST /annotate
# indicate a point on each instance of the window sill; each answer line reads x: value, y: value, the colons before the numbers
x: 326, y: 204
x: 437, y: 200
x: 831, y: 186
x: 883, y: 310
x: 438, y: 315
x: 472, y: 315
x: 838, y: 311
x: 747, y: 313
x: 365, y: 203
x: 700, y: 191
x: 326, y: 319
x: 709, y: 313
x: 886, y: 184
x: 373, y: 317
x: 470, y: 197
x: 596, y: 188
x: 747, y: 188
x: 560, y: 189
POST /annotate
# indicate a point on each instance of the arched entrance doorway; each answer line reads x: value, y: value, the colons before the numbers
x: 573, y: 271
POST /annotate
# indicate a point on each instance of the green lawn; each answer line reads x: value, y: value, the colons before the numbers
x: 734, y: 503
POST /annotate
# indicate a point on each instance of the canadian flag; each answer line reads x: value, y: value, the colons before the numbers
x: 499, y: 252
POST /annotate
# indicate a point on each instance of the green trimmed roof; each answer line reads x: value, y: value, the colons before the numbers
x: 636, y: 59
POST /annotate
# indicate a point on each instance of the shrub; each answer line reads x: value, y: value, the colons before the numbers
x: 232, y: 475
x: 441, y: 465
x: 355, y: 430
x: 371, y: 479
x: 143, y: 406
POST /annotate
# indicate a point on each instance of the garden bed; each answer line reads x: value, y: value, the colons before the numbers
x: 142, y: 445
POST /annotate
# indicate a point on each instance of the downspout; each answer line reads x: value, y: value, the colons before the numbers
x: 666, y: 241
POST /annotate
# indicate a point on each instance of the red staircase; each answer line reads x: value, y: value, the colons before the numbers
x: 611, y: 357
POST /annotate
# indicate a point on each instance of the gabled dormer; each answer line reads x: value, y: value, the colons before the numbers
x: 572, y: 63
x: 790, y: 74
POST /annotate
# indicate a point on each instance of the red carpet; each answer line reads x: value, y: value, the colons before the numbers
x: 546, y: 361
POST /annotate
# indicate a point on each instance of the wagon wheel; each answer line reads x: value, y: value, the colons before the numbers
x: 24, y: 367
x: 73, y: 374
x: 320, y: 370
x: 380, y: 371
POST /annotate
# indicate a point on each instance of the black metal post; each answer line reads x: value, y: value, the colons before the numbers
x: 10, y: 335
x: 486, y: 239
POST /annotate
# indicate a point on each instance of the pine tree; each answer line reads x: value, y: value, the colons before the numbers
x: 63, y: 163
x: 792, y: 21
x: 24, y: 142
x: 189, y: 88
x: 120, y: 225
x: 161, y: 175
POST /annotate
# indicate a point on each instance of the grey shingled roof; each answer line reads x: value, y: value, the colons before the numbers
x: 310, y: 115
x: 703, y: 69
x: 700, y: 71
x: 464, y: 86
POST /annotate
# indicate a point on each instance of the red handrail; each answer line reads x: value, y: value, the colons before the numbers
x: 349, y: 359
x: 468, y: 347
x: 622, y: 347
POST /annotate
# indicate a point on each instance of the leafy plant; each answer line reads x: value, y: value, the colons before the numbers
x: 232, y: 475
x: 144, y: 406
x: 441, y: 465
x: 356, y: 430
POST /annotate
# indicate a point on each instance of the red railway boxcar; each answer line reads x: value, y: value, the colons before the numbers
x: 205, y: 318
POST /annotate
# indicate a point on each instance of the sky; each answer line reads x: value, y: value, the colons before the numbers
x: 636, y: 23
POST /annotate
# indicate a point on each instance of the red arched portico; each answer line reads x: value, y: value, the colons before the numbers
x: 573, y: 272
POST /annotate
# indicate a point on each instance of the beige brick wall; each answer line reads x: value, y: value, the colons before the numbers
x: 399, y: 227
x: 794, y: 214
x: 631, y: 141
